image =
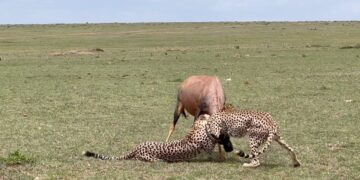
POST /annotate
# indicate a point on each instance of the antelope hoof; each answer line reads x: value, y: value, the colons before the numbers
x: 222, y: 158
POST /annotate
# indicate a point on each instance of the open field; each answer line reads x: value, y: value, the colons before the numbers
x: 60, y: 96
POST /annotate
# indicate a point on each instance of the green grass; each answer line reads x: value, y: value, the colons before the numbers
x: 16, y: 158
x: 56, y: 102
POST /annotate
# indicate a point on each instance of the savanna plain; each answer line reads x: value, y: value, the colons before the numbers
x: 107, y: 87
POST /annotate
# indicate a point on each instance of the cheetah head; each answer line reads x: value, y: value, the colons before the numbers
x: 220, y: 135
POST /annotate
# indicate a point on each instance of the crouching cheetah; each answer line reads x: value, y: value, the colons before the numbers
x: 197, y: 140
x: 259, y: 126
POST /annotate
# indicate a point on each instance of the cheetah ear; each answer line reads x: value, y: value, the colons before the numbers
x: 204, y: 117
x: 215, y: 129
x: 216, y: 134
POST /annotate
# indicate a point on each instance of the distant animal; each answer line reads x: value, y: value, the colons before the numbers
x: 198, y: 95
x: 197, y: 140
x: 259, y: 126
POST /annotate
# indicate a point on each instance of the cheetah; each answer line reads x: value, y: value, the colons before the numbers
x: 258, y: 126
x: 196, y: 141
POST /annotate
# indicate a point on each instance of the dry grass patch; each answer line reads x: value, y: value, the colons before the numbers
x: 94, y: 51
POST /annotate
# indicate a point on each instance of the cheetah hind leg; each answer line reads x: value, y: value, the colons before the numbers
x: 254, y: 145
x: 283, y: 144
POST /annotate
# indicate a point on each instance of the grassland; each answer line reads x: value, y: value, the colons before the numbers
x: 57, y: 98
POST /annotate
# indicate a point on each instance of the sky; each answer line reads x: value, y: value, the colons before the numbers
x: 128, y: 11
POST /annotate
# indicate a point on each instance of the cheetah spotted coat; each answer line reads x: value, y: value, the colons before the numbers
x: 196, y: 141
x: 258, y: 126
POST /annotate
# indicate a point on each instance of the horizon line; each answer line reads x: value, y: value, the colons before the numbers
x: 180, y: 22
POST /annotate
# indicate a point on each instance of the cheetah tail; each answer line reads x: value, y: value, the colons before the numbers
x: 104, y: 157
x: 266, y: 146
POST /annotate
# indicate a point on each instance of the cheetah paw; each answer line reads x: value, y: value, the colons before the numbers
x: 252, y: 164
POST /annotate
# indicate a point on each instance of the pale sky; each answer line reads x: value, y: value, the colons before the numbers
x: 104, y: 11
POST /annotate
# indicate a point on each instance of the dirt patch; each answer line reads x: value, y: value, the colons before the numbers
x: 98, y: 50
x: 356, y: 46
x: 78, y: 52
x: 337, y: 146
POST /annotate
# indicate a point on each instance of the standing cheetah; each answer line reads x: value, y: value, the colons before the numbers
x: 259, y: 126
x: 197, y: 140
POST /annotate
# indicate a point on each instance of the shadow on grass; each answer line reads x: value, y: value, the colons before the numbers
x: 235, y: 161
x: 213, y: 160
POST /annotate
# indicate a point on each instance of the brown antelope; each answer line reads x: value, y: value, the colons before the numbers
x: 198, y: 95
